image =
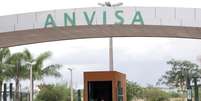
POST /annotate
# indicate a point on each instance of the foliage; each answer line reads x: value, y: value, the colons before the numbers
x: 18, y: 70
x: 176, y: 76
x: 53, y: 93
x: 133, y: 90
x: 39, y: 70
x: 150, y: 93
x: 155, y: 94
x: 4, y: 55
x: 174, y: 95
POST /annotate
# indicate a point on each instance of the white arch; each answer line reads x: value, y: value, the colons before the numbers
x: 99, y: 22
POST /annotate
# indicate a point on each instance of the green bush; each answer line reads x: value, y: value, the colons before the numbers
x: 133, y: 90
x: 155, y: 94
x: 174, y: 95
x: 53, y: 93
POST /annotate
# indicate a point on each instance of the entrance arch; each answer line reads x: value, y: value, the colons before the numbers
x: 80, y: 23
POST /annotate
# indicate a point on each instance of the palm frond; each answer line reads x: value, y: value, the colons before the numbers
x: 28, y: 55
x: 4, y: 54
x: 52, y: 70
x: 41, y: 58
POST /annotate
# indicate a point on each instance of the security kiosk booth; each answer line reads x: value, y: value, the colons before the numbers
x: 104, y: 86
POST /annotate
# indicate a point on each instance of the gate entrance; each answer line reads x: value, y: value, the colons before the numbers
x: 100, y: 90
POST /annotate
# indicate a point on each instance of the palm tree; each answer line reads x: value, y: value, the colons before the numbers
x: 4, y: 55
x: 39, y: 69
x: 18, y: 71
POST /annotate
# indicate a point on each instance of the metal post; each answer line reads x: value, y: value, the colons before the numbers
x: 5, y: 92
x: 71, y: 84
x: 111, y: 54
x: 196, y: 89
x: 188, y: 85
x: 31, y: 84
x: 11, y: 91
x: 79, y: 95
x: 111, y: 64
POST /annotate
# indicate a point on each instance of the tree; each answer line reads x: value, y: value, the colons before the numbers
x: 39, y: 70
x: 4, y: 55
x: 180, y: 70
x: 133, y: 90
x: 18, y: 70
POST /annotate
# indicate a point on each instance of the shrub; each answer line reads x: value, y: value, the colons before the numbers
x: 155, y: 94
x: 53, y: 93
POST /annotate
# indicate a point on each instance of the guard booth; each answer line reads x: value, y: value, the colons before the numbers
x: 104, y: 86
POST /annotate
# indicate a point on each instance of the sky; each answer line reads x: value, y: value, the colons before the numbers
x: 24, y: 6
x: 142, y: 59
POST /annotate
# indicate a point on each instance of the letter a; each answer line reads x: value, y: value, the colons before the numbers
x: 138, y: 18
x: 50, y: 21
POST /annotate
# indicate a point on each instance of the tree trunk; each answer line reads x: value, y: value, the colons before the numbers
x: 17, y: 90
x: 17, y: 96
x: 33, y: 87
x: 1, y: 83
